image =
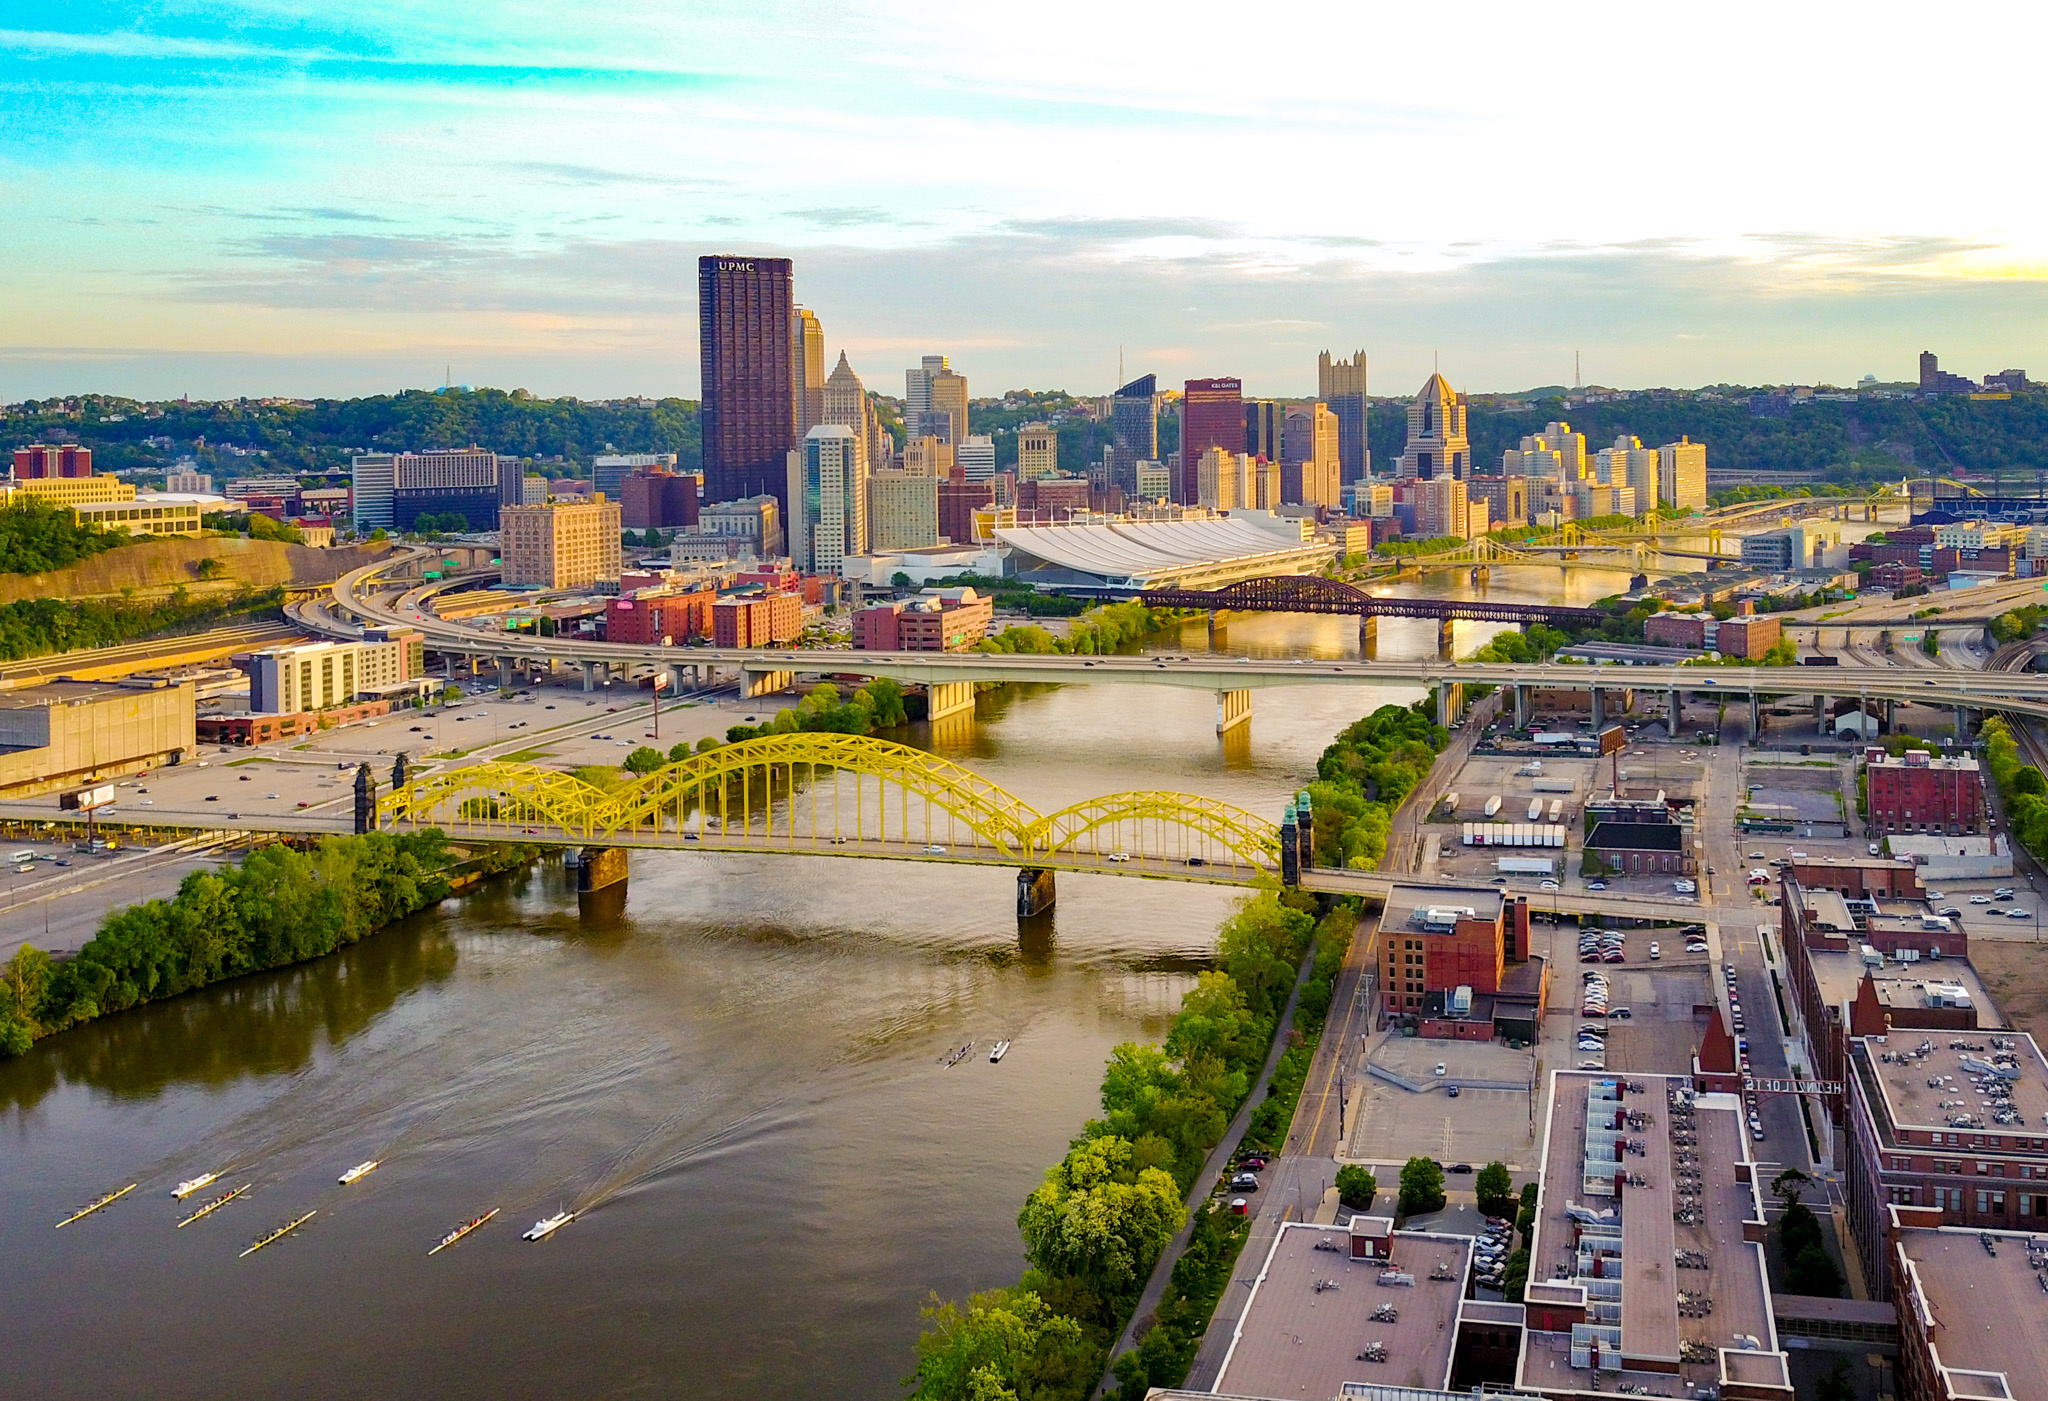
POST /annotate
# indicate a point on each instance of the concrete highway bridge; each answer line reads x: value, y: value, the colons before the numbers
x: 950, y: 678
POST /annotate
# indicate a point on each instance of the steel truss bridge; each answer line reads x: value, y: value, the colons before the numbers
x: 1307, y: 593
x: 831, y: 794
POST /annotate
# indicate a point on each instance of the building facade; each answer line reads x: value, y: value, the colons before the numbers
x: 830, y: 518
x: 757, y: 620
x: 52, y: 460
x: 1437, y: 444
x: 609, y: 470
x: 1038, y: 452
x: 68, y: 733
x: 1311, y: 465
x: 317, y: 676
x: 807, y: 348
x: 655, y: 499
x: 937, y: 620
x: 974, y: 457
x: 657, y: 618
x: 903, y: 511
x: 746, y: 328
x: 1211, y: 416
x: 1682, y: 475
x: 1918, y: 792
x: 563, y: 545
x: 1342, y: 385
x: 1265, y: 428
x: 1134, y: 432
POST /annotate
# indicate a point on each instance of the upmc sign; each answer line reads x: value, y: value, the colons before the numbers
x: 728, y: 265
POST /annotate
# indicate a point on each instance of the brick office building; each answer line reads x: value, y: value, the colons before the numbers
x: 757, y: 620
x: 1918, y: 792
x: 653, y: 499
x: 653, y: 618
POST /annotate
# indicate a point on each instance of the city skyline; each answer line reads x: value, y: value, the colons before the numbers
x: 353, y: 199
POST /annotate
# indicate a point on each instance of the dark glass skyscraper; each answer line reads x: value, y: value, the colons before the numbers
x: 1211, y: 416
x: 1134, y: 432
x: 746, y: 316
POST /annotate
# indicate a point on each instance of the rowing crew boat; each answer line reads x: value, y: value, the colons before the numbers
x: 460, y: 1231
x: 108, y: 1200
x: 279, y: 1234
x: 215, y: 1205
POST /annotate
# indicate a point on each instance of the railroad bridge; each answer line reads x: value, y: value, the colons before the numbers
x: 1308, y: 593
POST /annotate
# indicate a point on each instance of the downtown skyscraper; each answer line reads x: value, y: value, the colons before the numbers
x: 747, y: 332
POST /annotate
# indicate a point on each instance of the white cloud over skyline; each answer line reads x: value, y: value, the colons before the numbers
x: 344, y: 198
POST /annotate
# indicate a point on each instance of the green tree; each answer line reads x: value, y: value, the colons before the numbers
x: 1356, y: 1186
x: 1834, y: 1384
x: 651, y: 538
x: 1422, y: 1187
x: 1004, y: 1343
x: 1099, y: 1221
x: 646, y: 759
x: 25, y: 978
x: 1495, y: 1188
x: 708, y: 743
x: 899, y: 580
x: 209, y: 568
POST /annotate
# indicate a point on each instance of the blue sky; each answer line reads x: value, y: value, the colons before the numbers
x: 332, y: 198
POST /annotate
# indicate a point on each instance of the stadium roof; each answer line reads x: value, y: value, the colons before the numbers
x: 1159, y: 554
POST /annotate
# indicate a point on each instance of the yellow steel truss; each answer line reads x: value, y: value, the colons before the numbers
x: 737, y: 787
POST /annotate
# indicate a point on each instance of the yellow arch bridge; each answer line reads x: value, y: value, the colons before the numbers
x: 841, y: 795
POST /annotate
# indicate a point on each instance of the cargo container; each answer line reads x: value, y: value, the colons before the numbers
x: 1557, y: 809
x: 1535, y: 809
x: 1513, y: 834
x: 1493, y: 805
x: 1525, y: 866
x: 1553, y: 785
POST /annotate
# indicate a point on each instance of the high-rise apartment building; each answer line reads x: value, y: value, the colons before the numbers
x: 562, y: 545
x: 917, y: 391
x: 1265, y: 428
x: 746, y: 329
x: 949, y: 397
x: 392, y: 491
x: 1628, y: 464
x: 1312, y: 470
x: 929, y: 457
x: 1682, y: 474
x: 609, y: 470
x: 52, y: 460
x: 1441, y: 508
x: 975, y: 457
x: 808, y: 347
x: 1134, y: 432
x: 371, y: 476
x: 1437, y: 445
x: 1342, y: 385
x: 1038, y: 451
x: 903, y: 511
x: 1211, y: 416
x: 831, y: 519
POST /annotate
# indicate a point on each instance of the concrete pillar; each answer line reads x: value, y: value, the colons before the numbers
x: 448, y: 661
x: 1599, y: 709
x: 1035, y: 892
x: 1450, y: 701
x: 765, y: 683
x: 590, y: 676
x: 1756, y: 719
x: 504, y: 673
x: 1962, y: 722
x: 1674, y: 710
x: 1521, y: 707
x: 1446, y: 640
x: 1218, y: 632
x: 1369, y: 636
x: 1890, y: 714
x: 949, y: 698
x: 1233, y: 708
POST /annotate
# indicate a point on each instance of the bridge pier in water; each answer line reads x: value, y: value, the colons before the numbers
x: 1035, y: 892
x: 1233, y: 708
x: 1219, y: 631
x: 1446, y: 639
x: 1369, y: 637
x: 948, y: 698
x: 601, y: 881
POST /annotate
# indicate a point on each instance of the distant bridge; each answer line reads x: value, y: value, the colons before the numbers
x: 1308, y: 593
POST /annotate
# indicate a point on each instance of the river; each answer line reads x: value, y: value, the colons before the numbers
x: 740, y: 1080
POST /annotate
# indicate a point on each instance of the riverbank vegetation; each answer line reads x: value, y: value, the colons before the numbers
x: 878, y: 705
x: 281, y: 905
x: 1362, y: 778
x: 1098, y: 632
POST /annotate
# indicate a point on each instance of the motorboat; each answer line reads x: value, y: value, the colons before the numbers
x: 186, y: 1189
x: 358, y: 1171
x: 998, y: 1051
x: 460, y: 1231
x: 548, y: 1225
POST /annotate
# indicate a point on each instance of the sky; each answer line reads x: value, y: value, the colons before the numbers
x: 333, y: 197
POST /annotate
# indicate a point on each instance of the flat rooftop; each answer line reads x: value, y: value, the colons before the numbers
x: 1902, y: 1065
x: 1297, y: 1340
x: 69, y: 693
x: 1838, y: 973
x: 1675, y: 1214
x: 1986, y: 1315
x: 1404, y: 901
